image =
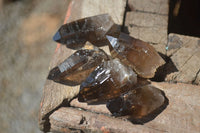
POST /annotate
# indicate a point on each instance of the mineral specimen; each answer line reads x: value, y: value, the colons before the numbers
x: 92, y: 29
x: 107, y: 81
x: 121, y: 81
x: 76, y: 68
x: 141, y: 56
x: 139, y: 103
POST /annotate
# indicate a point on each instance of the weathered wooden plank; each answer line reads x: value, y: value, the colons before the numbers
x: 148, y: 21
x: 114, y: 8
x: 152, y: 6
x: 101, y: 108
x: 148, y: 27
x: 65, y: 118
x: 54, y: 93
x: 185, y: 54
x: 181, y: 115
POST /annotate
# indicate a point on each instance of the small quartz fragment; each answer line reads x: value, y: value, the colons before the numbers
x: 141, y: 103
x: 107, y: 81
x: 76, y: 68
x: 92, y: 29
x: 141, y: 56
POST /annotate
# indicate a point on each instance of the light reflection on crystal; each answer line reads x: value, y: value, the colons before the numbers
x: 76, y: 68
x: 107, y: 81
x: 141, y: 56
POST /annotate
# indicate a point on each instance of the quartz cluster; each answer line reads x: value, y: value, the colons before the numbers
x: 119, y: 80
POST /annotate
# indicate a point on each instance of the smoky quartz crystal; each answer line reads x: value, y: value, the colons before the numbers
x: 109, y: 80
x: 120, y: 80
x: 141, y: 56
x: 139, y: 104
x: 76, y: 68
x: 92, y: 29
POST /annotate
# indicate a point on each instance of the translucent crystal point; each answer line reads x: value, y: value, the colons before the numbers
x: 140, y: 104
x: 92, y: 29
x: 107, y: 81
x: 78, y: 66
x: 141, y: 56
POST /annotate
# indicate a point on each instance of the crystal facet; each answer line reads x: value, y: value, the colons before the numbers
x: 139, y: 103
x: 107, y: 81
x: 141, y: 56
x: 78, y: 66
x: 92, y: 29
x: 121, y: 80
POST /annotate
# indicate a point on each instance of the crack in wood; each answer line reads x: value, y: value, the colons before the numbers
x: 140, y: 11
x: 188, y: 59
x: 156, y: 129
x: 87, y: 110
x: 45, y: 119
x: 83, y: 120
x: 179, y: 48
x: 124, y: 17
x: 193, y: 82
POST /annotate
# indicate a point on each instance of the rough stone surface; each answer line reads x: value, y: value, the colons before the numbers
x: 185, y: 53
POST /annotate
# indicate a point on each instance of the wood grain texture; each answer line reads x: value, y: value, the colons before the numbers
x: 148, y: 21
x: 185, y: 54
x: 147, y: 27
x: 181, y: 115
x: 54, y: 93
x: 151, y: 6
x: 101, y: 108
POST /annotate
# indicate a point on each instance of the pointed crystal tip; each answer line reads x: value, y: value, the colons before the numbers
x: 109, y: 38
x: 112, y: 40
x: 57, y: 37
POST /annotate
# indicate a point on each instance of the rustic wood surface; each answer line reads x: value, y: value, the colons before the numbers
x: 181, y: 115
x: 54, y: 93
x: 151, y: 6
x: 184, y: 52
x: 150, y: 20
x: 147, y: 26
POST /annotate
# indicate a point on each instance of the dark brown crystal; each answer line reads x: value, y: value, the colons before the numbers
x: 107, y: 81
x: 141, y: 56
x: 78, y: 66
x: 120, y: 81
x: 92, y: 29
x: 141, y: 103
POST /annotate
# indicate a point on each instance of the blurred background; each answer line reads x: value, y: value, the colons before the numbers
x: 26, y: 48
